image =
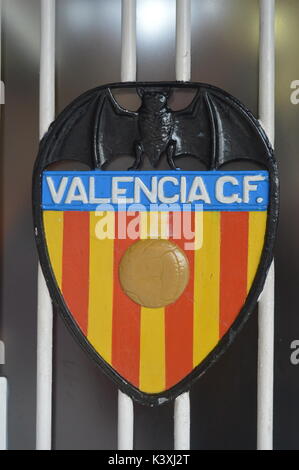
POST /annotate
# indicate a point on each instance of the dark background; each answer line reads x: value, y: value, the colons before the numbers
x: 224, y: 53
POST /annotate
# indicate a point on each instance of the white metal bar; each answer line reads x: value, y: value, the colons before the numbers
x: 267, y: 67
x: 265, y: 365
x: 3, y: 380
x: 182, y: 422
x: 183, y: 73
x: 125, y: 433
x: 47, y: 65
x: 183, y: 40
x: 44, y: 306
x: 3, y: 413
x: 125, y: 422
x: 128, y: 40
x: 266, y: 302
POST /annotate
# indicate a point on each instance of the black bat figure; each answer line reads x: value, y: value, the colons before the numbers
x: 205, y: 130
x: 156, y: 123
x: 153, y: 130
x: 214, y: 129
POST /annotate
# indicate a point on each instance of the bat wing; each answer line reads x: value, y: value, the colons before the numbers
x: 192, y: 130
x: 70, y: 137
x: 217, y: 129
x: 235, y: 132
x: 116, y: 130
x: 92, y: 131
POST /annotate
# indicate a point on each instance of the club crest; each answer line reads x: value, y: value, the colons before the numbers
x: 155, y: 266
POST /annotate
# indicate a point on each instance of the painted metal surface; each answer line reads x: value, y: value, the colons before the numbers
x: 128, y: 41
x: 44, y: 304
x: 266, y: 303
x: 128, y: 71
x: 183, y: 72
x: 183, y: 40
x: 3, y: 380
x: 182, y: 413
x: 125, y: 422
x: 234, y: 267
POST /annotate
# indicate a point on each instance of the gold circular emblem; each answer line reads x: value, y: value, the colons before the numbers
x: 154, y: 273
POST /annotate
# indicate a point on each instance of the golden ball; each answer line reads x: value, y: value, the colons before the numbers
x: 154, y: 273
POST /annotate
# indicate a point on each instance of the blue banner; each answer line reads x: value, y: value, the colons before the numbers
x: 155, y: 190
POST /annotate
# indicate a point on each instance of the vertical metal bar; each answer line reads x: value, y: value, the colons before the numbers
x: 267, y: 67
x: 3, y: 413
x: 128, y: 41
x: 183, y: 73
x: 182, y: 422
x: 2, y: 349
x: 266, y: 302
x: 125, y: 422
x: 3, y: 380
x: 44, y: 305
x: 128, y: 73
x: 183, y: 40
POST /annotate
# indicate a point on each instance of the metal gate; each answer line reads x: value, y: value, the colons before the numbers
x: 185, y: 10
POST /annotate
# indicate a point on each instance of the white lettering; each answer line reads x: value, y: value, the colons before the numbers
x: 198, y: 184
x: 57, y: 195
x: 151, y: 194
x: 220, y: 190
x: 161, y: 195
x: 183, y: 189
x: 248, y: 187
x: 92, y: 197
x: 229, y: 189
x: 76, y: 186
x: 119, y: 194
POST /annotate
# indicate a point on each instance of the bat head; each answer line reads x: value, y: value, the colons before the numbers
x: 153, y: 97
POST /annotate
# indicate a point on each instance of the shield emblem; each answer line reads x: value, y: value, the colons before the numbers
x: 156, y: 270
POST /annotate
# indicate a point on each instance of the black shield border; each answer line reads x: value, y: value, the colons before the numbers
x: 256, y: 288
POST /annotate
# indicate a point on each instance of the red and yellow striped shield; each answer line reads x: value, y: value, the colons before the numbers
x: 155, y: 349
x: 155, y: 271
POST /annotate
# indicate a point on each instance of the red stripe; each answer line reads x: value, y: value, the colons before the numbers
x: 233, y: 267
x: 75, y: 265
x: 126, y: 320
x: 179, y: 325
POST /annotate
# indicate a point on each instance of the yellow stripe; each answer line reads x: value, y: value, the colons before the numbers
x: 256, y: 236
x: 152, y: 328
x: 152, y: 350
x: 53, y: 225
x: 206, y: 285
x: 101, y: 284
